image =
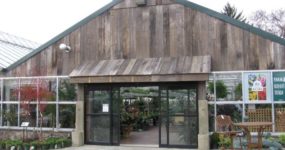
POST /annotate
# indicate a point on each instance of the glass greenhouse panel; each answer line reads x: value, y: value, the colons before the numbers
x: 28, y: 113
x: 10, y: 114
x: 67, y: 116
x: 47, y: 115
x: 228, y: 87
x: 28, y: 91
x: 47, y: 90
x: 234, y: 111
x: 279, y: 117
x: 11, y: 90
x: 66, y: 90
x: 259, y: 113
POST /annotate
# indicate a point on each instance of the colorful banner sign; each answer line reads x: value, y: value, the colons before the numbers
x: 257, y: 87
x: 279, y: 86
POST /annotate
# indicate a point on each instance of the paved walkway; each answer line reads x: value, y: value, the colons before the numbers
x: 93, y: 147
x: 148, y: 137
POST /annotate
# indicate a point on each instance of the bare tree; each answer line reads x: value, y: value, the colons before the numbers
x: 273, y: 22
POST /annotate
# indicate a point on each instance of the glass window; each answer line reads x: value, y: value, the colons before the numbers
x: 11, y: 90
x: 47, y: 90
x: 67, y: 116
x: 47, y: 115
x: 259, y: 113
x: 234, y: 111
x: 10, y: 114
x: 279, y: 117
x: 228, y: 86
x: 28, y: 113
x: 33, y: 100
x: 66, y: 91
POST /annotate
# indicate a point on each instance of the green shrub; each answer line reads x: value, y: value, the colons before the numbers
x: 282, y: 139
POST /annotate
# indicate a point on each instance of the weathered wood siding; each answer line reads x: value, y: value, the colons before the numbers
x: 160, y: 29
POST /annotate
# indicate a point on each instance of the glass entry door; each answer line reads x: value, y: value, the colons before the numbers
x: 102, y: 116
x: 178, y: 116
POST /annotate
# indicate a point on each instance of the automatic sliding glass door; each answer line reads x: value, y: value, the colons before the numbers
x: 102, y: 116
x: 179, y: 117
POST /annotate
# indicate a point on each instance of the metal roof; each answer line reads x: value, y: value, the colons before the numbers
x: 13, y: 48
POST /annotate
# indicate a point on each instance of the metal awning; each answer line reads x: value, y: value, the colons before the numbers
x: 164, y: 69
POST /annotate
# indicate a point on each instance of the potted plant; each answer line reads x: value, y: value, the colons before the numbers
x: 214, y: 140
x: 126, y: 123
x: 224, y: 142
x: 221, y: 89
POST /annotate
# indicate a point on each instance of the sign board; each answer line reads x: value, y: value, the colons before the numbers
x: 257, y: 86
x: 25, y: 124
x: 278, y: 86
x: 105, y: 108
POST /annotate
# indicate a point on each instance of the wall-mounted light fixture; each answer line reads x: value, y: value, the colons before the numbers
x: 65, y: 47
x: 141, y: 2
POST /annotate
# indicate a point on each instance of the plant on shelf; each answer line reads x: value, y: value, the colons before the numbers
x: 221, y: 89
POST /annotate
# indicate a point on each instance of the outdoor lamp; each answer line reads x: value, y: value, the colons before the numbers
x: 141, y: 2
x: 65, y: 47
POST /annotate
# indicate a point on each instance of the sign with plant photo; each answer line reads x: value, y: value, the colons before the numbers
x: 257, y: 86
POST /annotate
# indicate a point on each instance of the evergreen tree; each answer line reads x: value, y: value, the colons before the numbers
x: 232, y: 12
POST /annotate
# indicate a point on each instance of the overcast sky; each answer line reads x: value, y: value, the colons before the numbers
x: 41, y: 20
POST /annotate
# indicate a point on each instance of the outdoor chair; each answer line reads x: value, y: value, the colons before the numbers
x: 225, y: 127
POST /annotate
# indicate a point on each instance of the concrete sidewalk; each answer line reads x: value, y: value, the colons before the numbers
x: 96, y: 147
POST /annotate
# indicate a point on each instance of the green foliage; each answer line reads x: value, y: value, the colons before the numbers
x: 214, y: 139
x: 224, y: 141
x: 10, y: 115
x: 282, y: 139
x: 67, y: 91
x: 44, y: 144
x: 232, y: 12
x: 238, y: 92
x: 221, y: 89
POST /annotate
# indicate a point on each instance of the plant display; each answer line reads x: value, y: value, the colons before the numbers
x: 282, y: 139
x: 214, y: 140
x: 238, y: 92
x: 224, y: 141
x: 35, y: 91
x: 50, y: 143
x: 221, y: 89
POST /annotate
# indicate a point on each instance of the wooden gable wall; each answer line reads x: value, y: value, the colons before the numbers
x: 160, y: 29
